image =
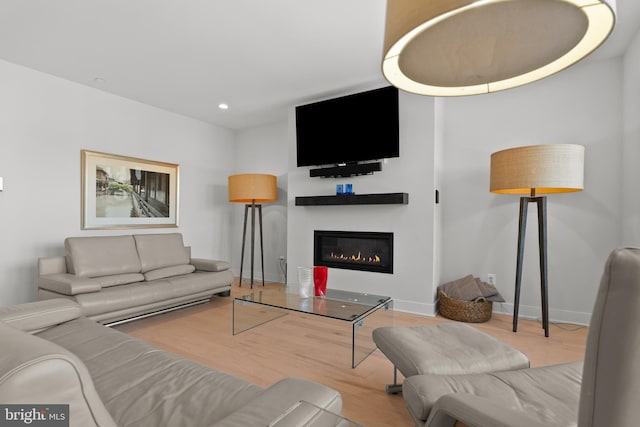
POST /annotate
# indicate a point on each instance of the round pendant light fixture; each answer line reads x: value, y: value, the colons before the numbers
x: 468, y: 47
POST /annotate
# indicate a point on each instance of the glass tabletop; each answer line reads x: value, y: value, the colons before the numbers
x: 337, y: 304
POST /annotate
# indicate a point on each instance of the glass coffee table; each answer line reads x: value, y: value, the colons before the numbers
x: 363, y: 312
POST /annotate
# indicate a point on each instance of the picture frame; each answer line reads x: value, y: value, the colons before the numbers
x: 120, y: 192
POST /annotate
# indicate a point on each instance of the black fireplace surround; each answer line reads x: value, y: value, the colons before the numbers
x: 354, y: 250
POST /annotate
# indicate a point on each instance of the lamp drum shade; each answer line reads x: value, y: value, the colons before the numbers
x: 551, y: 168
x: 467, y: 47
x: 253, y: 188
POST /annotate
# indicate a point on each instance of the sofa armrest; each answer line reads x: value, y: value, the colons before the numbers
x: 37, y: 371
x: 68, y: 284
x: 475, y: 411
x: 209, y: 264
x: 52, y: 265
x: 278, y: 398
x: 36, y: 316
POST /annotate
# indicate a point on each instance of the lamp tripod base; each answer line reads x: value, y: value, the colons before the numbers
x: 541, y: 203
x: 253, y: 207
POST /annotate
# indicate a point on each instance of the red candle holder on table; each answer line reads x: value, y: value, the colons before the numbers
x: 320, y: 274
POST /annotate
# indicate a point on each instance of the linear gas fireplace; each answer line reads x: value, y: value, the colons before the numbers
x: 354, y: 250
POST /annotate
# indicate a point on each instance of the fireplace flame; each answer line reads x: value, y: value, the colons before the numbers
x: 375, y: 259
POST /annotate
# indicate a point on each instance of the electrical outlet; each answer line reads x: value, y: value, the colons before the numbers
x: 491, y: 279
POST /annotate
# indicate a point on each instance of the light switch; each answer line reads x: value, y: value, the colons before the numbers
x: 1, y: 185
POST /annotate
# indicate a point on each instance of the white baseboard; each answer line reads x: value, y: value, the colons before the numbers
x: 535, y: 313
x: 258, y: 278
x: 412, y: 307
x: 525, y: 312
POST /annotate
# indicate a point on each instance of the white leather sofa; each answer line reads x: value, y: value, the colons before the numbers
x: 115, y: 278
x: 51, y: 354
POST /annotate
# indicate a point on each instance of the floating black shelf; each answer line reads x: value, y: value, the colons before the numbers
x: 354, y: 199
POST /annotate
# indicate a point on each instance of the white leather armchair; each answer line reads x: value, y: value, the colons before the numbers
x: 606, y: 394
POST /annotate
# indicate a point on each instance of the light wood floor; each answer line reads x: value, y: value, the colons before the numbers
x: 318, y: 349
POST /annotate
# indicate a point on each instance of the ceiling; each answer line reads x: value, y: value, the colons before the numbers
x: 188, y: 56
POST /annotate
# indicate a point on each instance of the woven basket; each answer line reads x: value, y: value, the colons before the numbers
x: 476, y: 311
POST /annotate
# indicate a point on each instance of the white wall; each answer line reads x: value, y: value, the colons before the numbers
x: 438, y: 164
x: 45, y: 122
x: 581, y: 105
x: 263, y: 149
x: 446, y: 144
x: 631, y: 148
x: 411, y: 285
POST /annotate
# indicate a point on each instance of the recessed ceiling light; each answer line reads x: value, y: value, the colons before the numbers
x: 99, y: 80
x: 223, y: 106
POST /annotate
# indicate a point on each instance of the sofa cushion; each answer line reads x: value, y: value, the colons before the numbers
x: 161, y: 273
x: 209, y: 264
x: 123, y: 297
x: 35, y: 316
x: 118, y: 279
x: 101, y: 255
x: 34, y: 370
x: 161, y: 250
x: 143, y: 386
x: 549, y: 393
x: 68, y: 284
x: 199, y: 281
x: 276, y: 401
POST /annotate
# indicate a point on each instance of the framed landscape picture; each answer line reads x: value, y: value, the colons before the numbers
x: 125, y: 192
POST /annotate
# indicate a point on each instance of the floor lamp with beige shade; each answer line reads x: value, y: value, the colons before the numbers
x: 533, y: 170
x: 253, y: 189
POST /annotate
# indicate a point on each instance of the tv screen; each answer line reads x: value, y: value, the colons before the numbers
x: 353, y: 128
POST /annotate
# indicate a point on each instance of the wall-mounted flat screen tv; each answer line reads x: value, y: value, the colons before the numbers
x: 349, y: 129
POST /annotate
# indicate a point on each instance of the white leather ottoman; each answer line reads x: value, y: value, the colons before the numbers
x: 444, y: 349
